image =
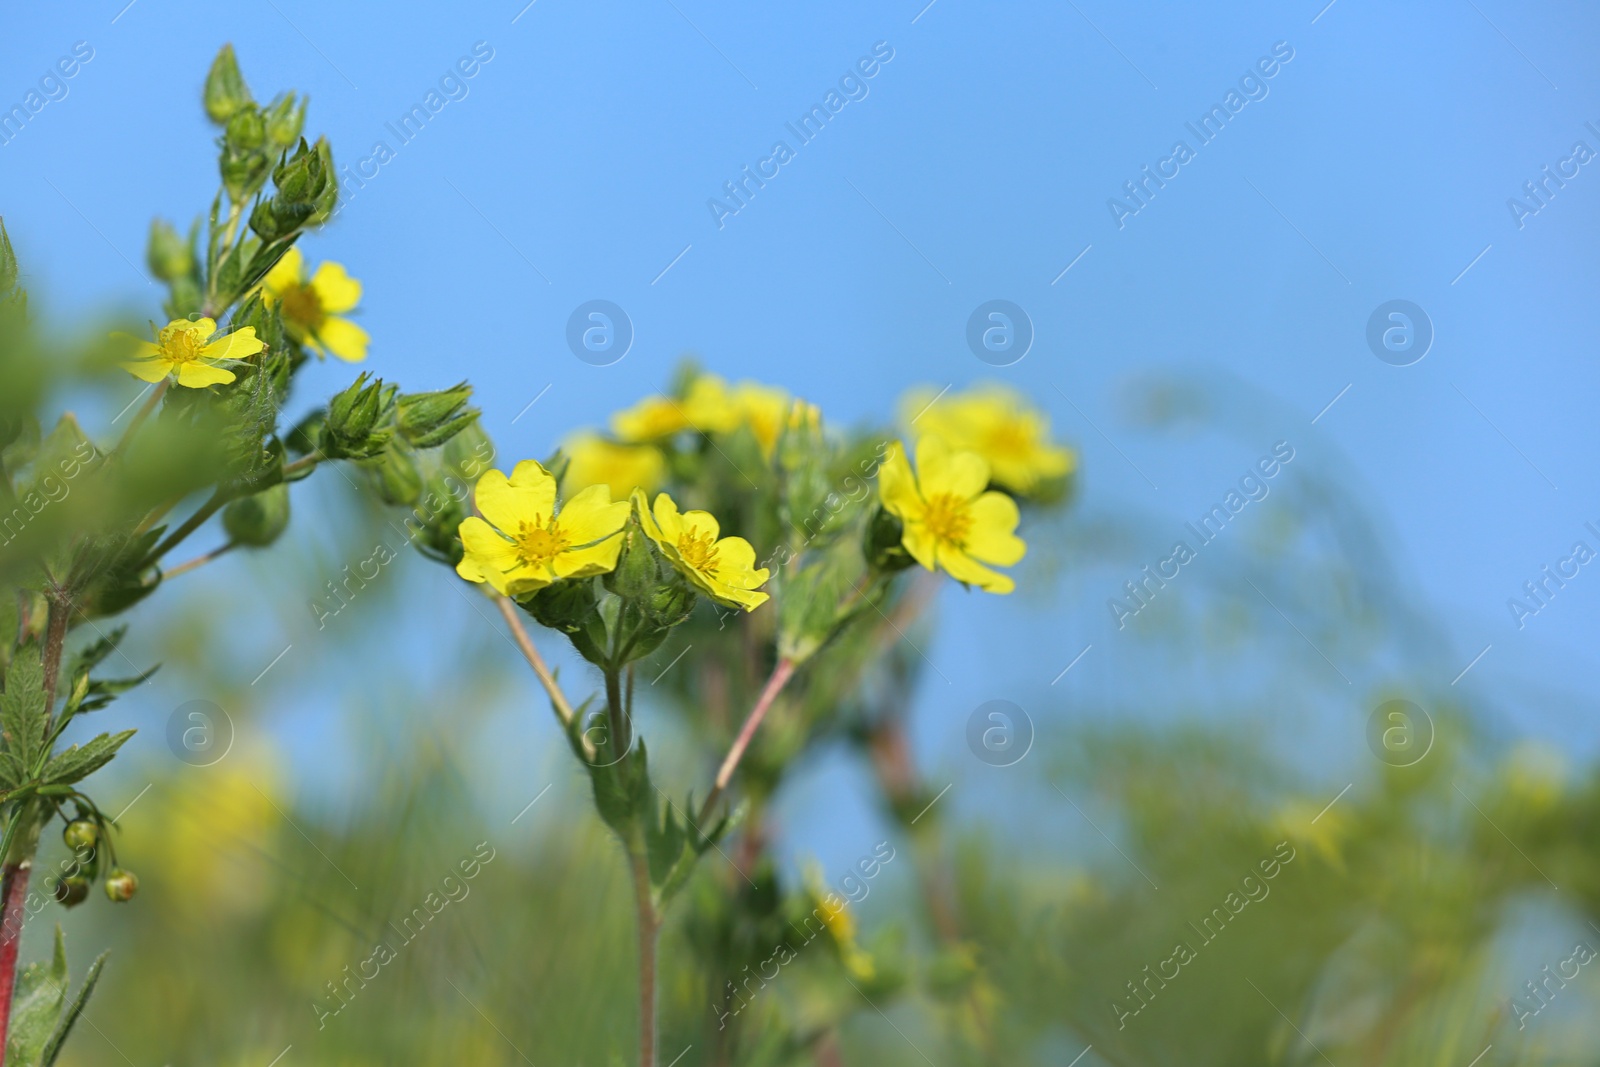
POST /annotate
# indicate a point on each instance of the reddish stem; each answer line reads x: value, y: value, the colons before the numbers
x: 14, y: 891
x: 780, y: 677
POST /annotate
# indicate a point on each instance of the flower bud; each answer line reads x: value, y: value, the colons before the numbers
x: 70, y: 892
x: 636, y: 574
x: 225, y: 90
x: 246, y: 130
x: 429, y: 419
x: 469, y: 453
x: 285, y: 120
x: 257, y: 520
x: 243, y: 174
x: 168, y: 254
x: 395, y: 477
x: 884, y: 550
x: 121, y: 885
x: 565, y: 606
x: 80, y: 834
x: 353, y: 427
x: 669, y: 604
x: 330, y: 191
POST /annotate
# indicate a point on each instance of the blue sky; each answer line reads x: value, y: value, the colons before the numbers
x: 1375, y: 164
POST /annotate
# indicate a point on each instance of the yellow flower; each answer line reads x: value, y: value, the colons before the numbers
x: 312, y: 309
x: 950, y: 521
x: 705, y: 409
x: 764, y: 410
x: 1001, y: 426
x: 723, y: 569
x: 185, y: 349
x: 526, y: 544
x: 592, y: 460
x: 834, y: 911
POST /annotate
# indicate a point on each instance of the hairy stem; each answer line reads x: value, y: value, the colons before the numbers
x: 649, y: 935
x: 519, y: 633
x: 198, y: 561
x: 18, y: 857
x: 190, y: 525
x: 730, y: 763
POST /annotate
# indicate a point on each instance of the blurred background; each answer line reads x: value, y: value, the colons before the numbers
x: 1443, y: 893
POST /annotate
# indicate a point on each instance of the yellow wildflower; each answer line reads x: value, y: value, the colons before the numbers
x: 950, y: 521
x: 705, y: 409
x: 526, y: 543
x: 834, y: 911
x: 593, y: 460
x: 723, y: 569
x: 762, y: 408
x: 1000, y: 425
x: 1324, y: 828
x: 185, y: 349
x: 312, y: 309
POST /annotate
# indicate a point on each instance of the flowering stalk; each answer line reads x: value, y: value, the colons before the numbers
x: 769, y: 693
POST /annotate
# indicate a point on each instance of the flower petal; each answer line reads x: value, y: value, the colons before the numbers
x: 507, y: 504
x: 963, y: 568
x: 489, y: 557
x: 335, y: 289
x: 667, y: 522
x: 922, y: 545
x: 200, y: 375
x: 941, y: 470
x: 240, y: 344
x: 148, y: 370
x: 583, y: 562
x: 698, y: 523
x: 591, y: 516
x: 992, y: 537
x: 285, y: 274
x: 897, y: 486
x: 204, y: 328
x: 343, y: 338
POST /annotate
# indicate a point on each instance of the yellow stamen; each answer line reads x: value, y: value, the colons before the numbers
x: 947, y: 518
x: 303, y: 307
x: 699, y: 551
x: 181, y: 346
x: 539, y: 542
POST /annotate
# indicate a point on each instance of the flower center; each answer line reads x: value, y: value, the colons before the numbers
x: 947, y: 518
x: 539, y: 542
x: 699, y: 551
x: 302, y: 307
x: 181, y: 346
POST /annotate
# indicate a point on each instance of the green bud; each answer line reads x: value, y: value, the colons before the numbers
x: 257, y: 520
x: 395, y: 477
x: 285, y: 120
x: 80, y: 834
x: 169, y: 255
x: 670, y: 604
x: 430, y: 419
x: 70, y: 892
x: 121, y: 885
x: 225, y: 90
x: 246, y: 130
x: 8, y: 262
x: 355, y: 422
x: 884, y: 550
x: 242, y: 175
x: 636, y: 575
x: 330, y: 191
x: 567, y: 606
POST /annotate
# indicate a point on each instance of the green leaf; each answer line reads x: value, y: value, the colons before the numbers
x: 22, y: 707
x: 53, y: 1048
x: 80, y: 761
x: 36, y: 1008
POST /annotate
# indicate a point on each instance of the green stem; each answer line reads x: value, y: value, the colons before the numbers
x: 190, y: 525
x: 649, y: 937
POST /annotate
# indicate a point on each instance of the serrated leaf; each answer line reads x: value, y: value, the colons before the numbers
x: 22, y: 707
x: 95, y: 653
x: 103, y: 691
x: 52, y: 1048
x: 41, y: 992
x: 80, y: 761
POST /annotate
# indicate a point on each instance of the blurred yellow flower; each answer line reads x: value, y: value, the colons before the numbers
x: 723, y: 569
x: 1324, y: 828
x: 529, y: 544
x: 312, y: 309
x: 762, y: 408
x: 998, y: 424
x: 706, y: 408
x: 184, y: 349
x: 950, y: 521
x: 593, y: 460
x: 834, y: 911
